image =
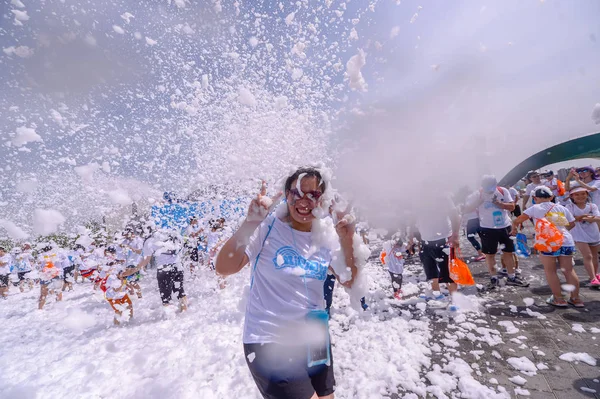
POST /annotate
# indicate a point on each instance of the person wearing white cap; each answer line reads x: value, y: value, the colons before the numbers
x: 585, y: 177
x: 586, y: 233
x: 564, y: 221
x: 493, y: 204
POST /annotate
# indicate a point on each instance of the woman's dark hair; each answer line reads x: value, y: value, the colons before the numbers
x: 307, y: 172
x: 111, y: 250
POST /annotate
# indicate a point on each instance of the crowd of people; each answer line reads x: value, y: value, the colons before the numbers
x: 114, y: 266
x: 286, y: 339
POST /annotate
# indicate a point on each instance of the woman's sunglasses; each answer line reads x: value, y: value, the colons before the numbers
x: 313, y: 195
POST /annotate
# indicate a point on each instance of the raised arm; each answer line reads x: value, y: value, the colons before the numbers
x: 455, y: 222
x: 232, y: 257
x: 345, y: 228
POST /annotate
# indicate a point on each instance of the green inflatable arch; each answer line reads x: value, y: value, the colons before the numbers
x: 583, y: 147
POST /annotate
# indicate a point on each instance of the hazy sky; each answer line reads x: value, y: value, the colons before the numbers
x: 182, y: 94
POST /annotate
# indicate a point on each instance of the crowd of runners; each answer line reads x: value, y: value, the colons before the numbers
x: 292, y: 275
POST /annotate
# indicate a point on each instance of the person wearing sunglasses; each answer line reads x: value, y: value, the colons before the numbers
x: 286, y: 339
x: 585, y: 177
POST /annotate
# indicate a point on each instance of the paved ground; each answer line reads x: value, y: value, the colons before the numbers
x: 551, y: 336
x: 544, y: 333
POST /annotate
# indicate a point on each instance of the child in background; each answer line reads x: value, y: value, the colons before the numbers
x: 393, y: 258
x: 114, y: 286
x: 132, y: 248
x: 586, y: 233
x: 5, y: 261
x: 50, y: 275
x: 564, y: 221
x: 23, y: 261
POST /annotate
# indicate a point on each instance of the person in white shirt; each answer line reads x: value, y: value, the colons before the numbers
x: 493, y: 204
x: 534, y: 180
x: 586, y: 233
x: 192, y: 235
x: 131, y: 248
x: 5, y: 261
x: 166, y: 245
x: 562, y: 258
x: 395, y: 251
x: 516, y: 196
x: 50, y: 260
x: 114, y: 286
x: 286, y: 340
x: 23, y: 262
x: 438, y: 222
x: 585, y: 177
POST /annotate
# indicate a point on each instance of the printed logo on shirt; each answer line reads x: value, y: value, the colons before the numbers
x: 288, y: 257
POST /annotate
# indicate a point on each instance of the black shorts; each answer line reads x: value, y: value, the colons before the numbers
x: 491, y: 238
x: 517, y: 212
x: 434, y: 256
x: 396, y: 281
x: 21, y: 275
x: 68, y: 273
x: 281, y: 372
x: 3, y: 280
x: 194, y: 254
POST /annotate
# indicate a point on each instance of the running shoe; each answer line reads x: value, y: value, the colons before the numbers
x: 557, y: 302
x: 492, y: 285
x: 595, y: 282
x: 479, y: 258
x: 433, y: 296
x: 503, y: 273
x: 577, y: 302
x: 518, y: 272
x: 398, y: 294
x: 516, y: 282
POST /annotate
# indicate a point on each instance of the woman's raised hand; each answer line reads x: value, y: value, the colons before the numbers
x: 262, y: 205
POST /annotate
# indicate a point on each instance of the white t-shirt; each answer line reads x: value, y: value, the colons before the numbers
x: 595, y: 195
x: 394, y: 258
x: 513, y: 193
x: 531, y: 187
x: 433, y: 218
x: 490, y: 216
x: 584, y: 231
x: 114, y: 285
x: 213, y: 239
x: 23, y: 262
x: 286, y: 283
x: 556, y: 214
x: 129, y: 255
x: 57, y: 257
x: 5, y: 269
x: 550, y: 184
x: 165, y: 251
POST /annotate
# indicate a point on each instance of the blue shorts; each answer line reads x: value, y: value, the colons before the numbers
x: 563, y: 251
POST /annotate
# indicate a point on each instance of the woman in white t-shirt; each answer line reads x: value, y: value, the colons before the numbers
x: 286, y: 339
x: 585, y: 177
x: 586, y: 232
x: 562, y: 218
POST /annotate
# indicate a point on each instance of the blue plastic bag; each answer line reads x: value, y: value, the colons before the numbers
x: 522, y: 247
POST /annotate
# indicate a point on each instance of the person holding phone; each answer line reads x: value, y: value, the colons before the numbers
x: 286, y: 338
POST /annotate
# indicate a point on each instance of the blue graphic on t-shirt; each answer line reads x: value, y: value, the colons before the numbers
x: 288, y: 257
x: 498, y: 218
